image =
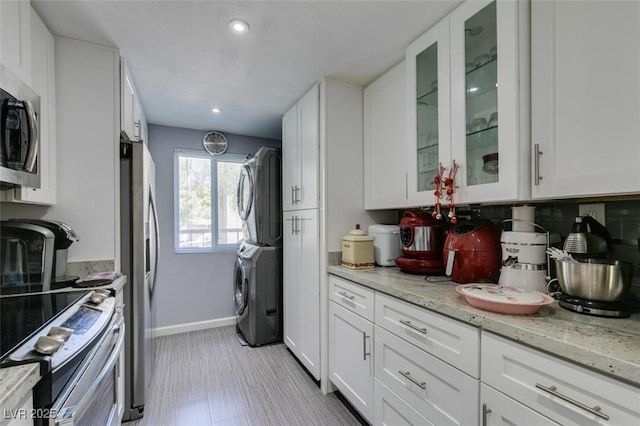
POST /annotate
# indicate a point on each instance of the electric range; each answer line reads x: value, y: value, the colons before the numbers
x: 58, y: 330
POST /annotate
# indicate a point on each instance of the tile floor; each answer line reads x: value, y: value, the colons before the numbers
x: 208, y: 378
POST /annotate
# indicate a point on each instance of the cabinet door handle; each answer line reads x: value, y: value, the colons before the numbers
x: 554, y: 391
x: 485, y: 411
x: 408, y: 324
x: 346, y: 296
x: 407, y: 375
x: 536, y: 164
x: 297, y: 193
x: 364, y: 346
x: 297, y: 230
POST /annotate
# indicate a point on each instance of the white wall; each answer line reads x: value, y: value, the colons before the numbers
x: 190, y: 287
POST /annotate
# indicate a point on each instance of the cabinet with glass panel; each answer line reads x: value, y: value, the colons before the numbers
x: 467, y: 79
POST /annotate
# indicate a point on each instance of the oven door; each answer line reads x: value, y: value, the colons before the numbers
x: 91, y: 396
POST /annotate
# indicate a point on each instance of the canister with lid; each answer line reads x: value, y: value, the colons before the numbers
x: 357, y: 249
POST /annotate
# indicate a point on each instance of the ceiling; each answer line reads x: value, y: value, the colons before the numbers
x: 185, y: 61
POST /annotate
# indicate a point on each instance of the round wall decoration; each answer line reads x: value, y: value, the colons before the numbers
x: 215, y: 143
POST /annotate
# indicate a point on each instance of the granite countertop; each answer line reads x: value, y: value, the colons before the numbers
x: 608, y: 345
x: 16, y: 383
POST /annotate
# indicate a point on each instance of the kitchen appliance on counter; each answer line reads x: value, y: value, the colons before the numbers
x: 595, y: 286
x: 472, y: 251
x: 34, y: 255
x: 139, y: 250
x: 19, y: 132
x: 76, y: 337
x: 422, y: 237
x: 524, y: 256
x: 588, y: 239
x: 357, y: 249
x: 386, y: 244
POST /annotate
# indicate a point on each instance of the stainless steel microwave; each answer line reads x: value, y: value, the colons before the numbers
x: 19, y: 133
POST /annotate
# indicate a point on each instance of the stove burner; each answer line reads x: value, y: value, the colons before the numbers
x: 594, y: 307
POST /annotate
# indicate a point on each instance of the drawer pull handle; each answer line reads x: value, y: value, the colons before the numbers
x: 346, y: 296
x: 408, y: 324
x: 364, y: 346
x: 553, y: 391
x: 485, y: 412
x: 406, y: 374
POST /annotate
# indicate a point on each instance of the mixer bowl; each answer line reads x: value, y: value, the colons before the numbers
x: 595, y: 279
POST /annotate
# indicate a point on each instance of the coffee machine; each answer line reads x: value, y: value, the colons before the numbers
x: 524, y: 253
x: 34, y: 255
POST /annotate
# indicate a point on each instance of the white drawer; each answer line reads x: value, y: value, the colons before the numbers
x: 352, y: 296
x: 500, y: 410
x: 439, y: 392
x: 391, y: 410
x: 447, y: 339
x: 532, y: 377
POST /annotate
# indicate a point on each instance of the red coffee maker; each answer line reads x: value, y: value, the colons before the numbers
x: 422, y: 237
x: 472, y: 251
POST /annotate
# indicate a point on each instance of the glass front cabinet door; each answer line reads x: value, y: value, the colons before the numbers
x: 484, y: 133
x: 428, y: 109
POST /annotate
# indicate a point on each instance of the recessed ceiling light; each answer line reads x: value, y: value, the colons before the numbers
x: 216, y: 110
x: 239, y: 26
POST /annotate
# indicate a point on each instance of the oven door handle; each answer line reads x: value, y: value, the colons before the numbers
x: 82, y: 405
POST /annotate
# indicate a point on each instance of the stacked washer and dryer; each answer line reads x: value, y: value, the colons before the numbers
x: 258, y: 269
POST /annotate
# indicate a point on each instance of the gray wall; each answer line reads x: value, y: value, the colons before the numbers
x: 190, y: 287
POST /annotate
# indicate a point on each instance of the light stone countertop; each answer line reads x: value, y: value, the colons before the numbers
x: 607, y: 345
x: 16, y: 383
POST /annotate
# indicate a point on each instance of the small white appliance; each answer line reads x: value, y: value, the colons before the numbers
x: 386, y: 244
x: 524, y: 258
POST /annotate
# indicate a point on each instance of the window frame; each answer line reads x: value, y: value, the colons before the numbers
x: 215, y: 247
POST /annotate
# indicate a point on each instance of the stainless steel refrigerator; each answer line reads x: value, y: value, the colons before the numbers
x: 139, y: 256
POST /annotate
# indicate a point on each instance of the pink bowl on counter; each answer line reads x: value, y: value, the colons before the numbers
x: 504, y: 300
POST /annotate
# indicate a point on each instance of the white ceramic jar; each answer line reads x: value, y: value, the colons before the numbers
x: 357, y: 249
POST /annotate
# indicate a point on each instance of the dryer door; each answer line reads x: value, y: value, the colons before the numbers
x: 245, y: 192
x: 241, y: 288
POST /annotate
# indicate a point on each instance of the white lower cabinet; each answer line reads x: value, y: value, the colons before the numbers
x: 351, y: 358
x: 557, y: 389
x: 500, y: 410
x: 438, y: 391
x: 391, y: 410
x: 301, y: 287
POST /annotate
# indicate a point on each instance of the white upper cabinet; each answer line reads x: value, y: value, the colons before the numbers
x: 462, y: 74
x: 15, y: 37
x: 385, y: 129
x: 300, y: 150
x: 585, y: 98
x: 132, y: 120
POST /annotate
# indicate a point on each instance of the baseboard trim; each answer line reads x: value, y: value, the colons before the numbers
x: 194, y: 326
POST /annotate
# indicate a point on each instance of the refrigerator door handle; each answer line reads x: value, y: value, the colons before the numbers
x: 156, y: 248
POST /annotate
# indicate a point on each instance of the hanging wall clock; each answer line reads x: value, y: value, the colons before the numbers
x: 215, y: 143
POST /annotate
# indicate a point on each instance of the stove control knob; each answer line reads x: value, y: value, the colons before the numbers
x: 61, y: 333
x: 96, y: 298
x: 47, y: 345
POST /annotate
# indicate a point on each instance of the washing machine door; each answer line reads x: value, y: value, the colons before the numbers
x: 241, y: 288
x: 245, y: 192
